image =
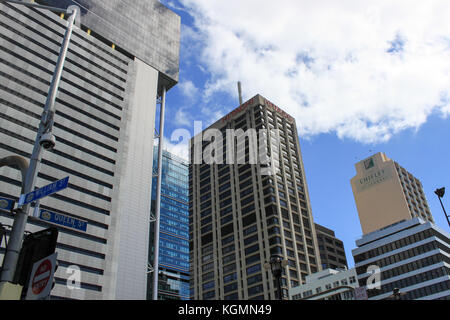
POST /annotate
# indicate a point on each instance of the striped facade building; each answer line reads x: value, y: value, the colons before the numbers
x: 104, y: 127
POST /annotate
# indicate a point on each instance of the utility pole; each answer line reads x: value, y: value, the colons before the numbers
x: 44, y: 139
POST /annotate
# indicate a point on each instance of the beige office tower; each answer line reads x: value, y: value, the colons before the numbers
x: 385, y: 193
x: 240, y: 215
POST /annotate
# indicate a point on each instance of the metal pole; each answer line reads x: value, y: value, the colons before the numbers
x: 280, y: 294
x: 45, y: 126
x: 442, y: 205
x: 158, y: 197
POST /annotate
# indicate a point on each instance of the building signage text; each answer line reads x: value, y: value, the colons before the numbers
x: 373, y: 179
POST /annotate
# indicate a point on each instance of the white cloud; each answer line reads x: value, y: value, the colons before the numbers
x: 180, y: 149
x: 365, y: 70
x: 188, y: 89
x: 182, y: 118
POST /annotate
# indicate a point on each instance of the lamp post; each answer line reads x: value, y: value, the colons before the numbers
x: 396, y: 294
x: 276, y: 265
x: 440, y: 193
x: 44, y: 139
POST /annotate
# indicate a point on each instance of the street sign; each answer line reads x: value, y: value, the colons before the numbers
x: 44, y: 191
x: 41, y: 278
x: 6, y: 204
x: 63, y: 220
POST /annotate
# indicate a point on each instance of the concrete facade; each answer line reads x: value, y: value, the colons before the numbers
x: 328, y: 284
x: 104, y: 128
x: 332, y: 252
x: 412, y: 256
x: 386, y: 193
x: 240, y: 216
x: 145, y: 28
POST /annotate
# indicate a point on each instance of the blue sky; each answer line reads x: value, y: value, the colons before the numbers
x: 359, y: 77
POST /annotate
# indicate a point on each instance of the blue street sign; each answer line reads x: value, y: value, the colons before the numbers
x: 44, y: 191
x: 63, y: 220
x: 6, y: 204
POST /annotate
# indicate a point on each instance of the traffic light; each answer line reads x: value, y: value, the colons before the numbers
x: 35, y: 247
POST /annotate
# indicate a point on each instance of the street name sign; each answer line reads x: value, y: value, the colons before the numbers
x: 6, y: 204
x: 44, y: 191
x: 63, y: 220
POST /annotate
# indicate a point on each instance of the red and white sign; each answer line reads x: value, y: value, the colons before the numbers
x: 41, y: 278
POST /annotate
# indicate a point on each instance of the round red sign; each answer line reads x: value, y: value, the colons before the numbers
x: 41, y: 276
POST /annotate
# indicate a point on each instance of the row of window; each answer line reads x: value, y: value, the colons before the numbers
x: 415, y: 279
x: 409, y: 267
x: 394, y: 245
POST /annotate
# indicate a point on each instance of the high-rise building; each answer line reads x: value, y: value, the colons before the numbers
x: 331, y: 249
x: 386, y: 193
x: 240, y: 214
x: 328, y: 284
x: 122, y: 54
x: 410, y: 257
x: 174, y: 229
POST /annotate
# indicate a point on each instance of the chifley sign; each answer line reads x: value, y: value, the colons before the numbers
x: 373, y: 178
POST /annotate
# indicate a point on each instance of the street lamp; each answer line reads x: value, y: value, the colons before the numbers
x: 276, y: 264
x: 44, y: 139
x: 396, y: 294
x: 440, y: 193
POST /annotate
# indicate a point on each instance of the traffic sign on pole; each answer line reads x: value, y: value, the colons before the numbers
x: 63, y: 220
x: 44, y: 191
x: 41, y: 278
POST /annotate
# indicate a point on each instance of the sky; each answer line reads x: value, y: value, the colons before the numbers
x: 359, y: 77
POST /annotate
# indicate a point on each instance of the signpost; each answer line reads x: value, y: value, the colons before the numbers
x: 41, y: 278
x: 44, y: 191
x: 63, y: 220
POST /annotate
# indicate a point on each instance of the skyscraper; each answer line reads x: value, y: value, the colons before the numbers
x: 174, y: 228
x: 240, y: 214
x: 121, y: 57
x: 386, y: 193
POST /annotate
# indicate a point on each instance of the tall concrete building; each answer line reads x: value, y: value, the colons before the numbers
x: 386, y: 193
x: 331, y: 249
x: 121, y: 56
x: 241, y: 214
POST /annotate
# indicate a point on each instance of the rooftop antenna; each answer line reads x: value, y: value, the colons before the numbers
x: 240, y: 93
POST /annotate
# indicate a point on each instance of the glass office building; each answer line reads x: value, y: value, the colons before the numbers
x: 174, y: 228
